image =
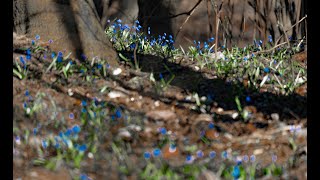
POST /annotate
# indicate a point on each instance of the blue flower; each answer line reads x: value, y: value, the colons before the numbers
x: 252, y: 158
x: 236, y: 172
x: 84, y: 103
x: 108, y: 66
x: 156, y: 152
x: 137, y: 21
x: 199, y: 154
x: 82, y: 148
x: 83, y: 57
x: 99, y: 66
x: 266, y: 70
x: 212, y: 154
x: 57, y: 145
x: 270, y: 38
x: 239, y: 161
x: 163, y: 131
x: 160, y: 75
x: 147, y: 155
x: 211, y: 125
x: 245, y: 158
x: 224, y: 155
x: 28, y: 52
x: 50, y: 41
x: 260, y: 42
x: 138, y: 28
x: 26, y: 93
x: 61, y: 134
x: 44, y: 144
x: 17, y: 139
x: 132, y: 46
x: 22, y: 60
x: 96, y: 102
x: 248, y: 99
x: 35, y: 131
x: 198, y: 45
x: 83, y: 110
x: 84, y: 177
x: 59, y: 57
x: 172, y: 147
x: 76, y: 129
x: 32, y: 42
x: 189, y: 159
x: 118, y: 113
x: 68, y: 132
x: 53, y: 54
x: 245, y: 58
x: 148, y: 30
x: 211, y: 39
x: 206, y: 46
x: 119, y: 21
x: 37, y: 37
x: 153, y: 41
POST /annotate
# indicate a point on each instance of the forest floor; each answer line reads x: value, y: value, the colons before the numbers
x: 141, y: 117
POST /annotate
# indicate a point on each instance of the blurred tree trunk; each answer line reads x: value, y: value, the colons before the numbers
x: 74, y: 25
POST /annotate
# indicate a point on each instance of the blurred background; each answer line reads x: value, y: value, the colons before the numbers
x: 79, y: 25
x: 240, y: 21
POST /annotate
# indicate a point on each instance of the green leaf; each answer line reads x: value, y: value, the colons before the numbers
x: 238, y: 104
x: 53, y: 63
x: 263, y: 80
x: 17, y: 74
x: 103, y: 89
x: 257, y: 73
x: 124, y: 58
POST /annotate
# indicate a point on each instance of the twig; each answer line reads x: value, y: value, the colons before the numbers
x: 217, y: 28
x: 266, y: 51
x: 189, y: 15
x: 135, y: 57
x: 291, y: 27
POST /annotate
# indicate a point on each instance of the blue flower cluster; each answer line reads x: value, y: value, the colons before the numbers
x: 129, y: 37
x: 64, y: 138
x: 206, y: 47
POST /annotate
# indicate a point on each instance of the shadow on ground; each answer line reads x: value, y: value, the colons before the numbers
x: 222, y: 92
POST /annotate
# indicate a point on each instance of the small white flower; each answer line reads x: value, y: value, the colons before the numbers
x: 157, y: 103
x: 117, y: 71
x: 114, y: 94
x: 70, y: 93
x: 90, y: 155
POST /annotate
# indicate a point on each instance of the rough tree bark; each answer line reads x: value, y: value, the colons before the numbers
x: 73, y: 25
